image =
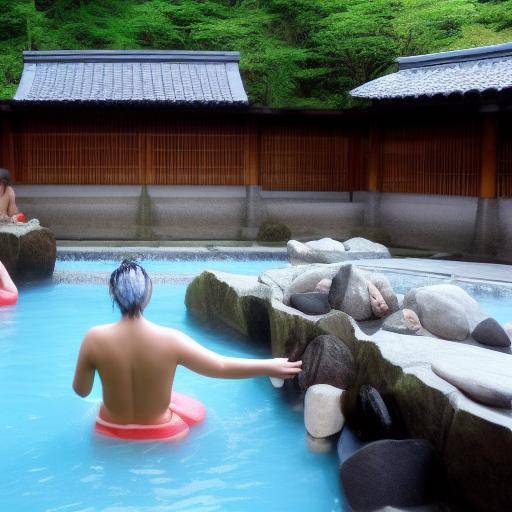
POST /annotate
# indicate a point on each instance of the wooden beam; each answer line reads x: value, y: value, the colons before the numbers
x: 488, y: 169
x: 374, y: 159
x: 252, y: 154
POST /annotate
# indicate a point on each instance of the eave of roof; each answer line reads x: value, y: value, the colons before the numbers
x: 181, y: 78
x: 460, y: 72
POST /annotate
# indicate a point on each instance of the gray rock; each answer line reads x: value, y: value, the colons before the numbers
x: 484, y: 387
x: 349, y: 293
x: 359, y: 244
x: 391, y: 473
x: 311, y: 303
x: 326, y: 360
x: 443, y: 309
x: 398, y: 323
x: 299, y: 253
x: 308, y: 280
x: 489, y: 332
x: 348, y: 444
x: 381, y: 282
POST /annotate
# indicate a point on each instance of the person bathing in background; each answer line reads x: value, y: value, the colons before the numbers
x: 8, y: 209
x: 137, y: 359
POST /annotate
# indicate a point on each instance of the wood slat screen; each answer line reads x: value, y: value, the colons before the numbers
x: 311, y: 158
x: 431, y: 158
x: 505, y: 160
x: 128, y: 151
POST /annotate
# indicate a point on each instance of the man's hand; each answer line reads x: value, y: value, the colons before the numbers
x: 281, y: 368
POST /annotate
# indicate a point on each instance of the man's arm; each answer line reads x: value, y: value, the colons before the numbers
x: 84, y: 372
x: 201, y: 360
x: 12, y: 209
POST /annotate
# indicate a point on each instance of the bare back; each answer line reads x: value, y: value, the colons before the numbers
x: 136, y: 363
x: 7, y: 201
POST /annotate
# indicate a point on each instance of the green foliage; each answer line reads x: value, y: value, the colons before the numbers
x: 294, y: 53
x: 272, y: 230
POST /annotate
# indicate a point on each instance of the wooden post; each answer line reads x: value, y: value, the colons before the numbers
x: 251, y: 154
x: 7, y: 141
x: 488, y: 168
x: 373, y: 165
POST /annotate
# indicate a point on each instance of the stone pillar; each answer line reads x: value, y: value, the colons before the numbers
x: 253, y: 202
x: 487, y: 212
x: 372, y: 203
x: 253, y: 212
x: 144, y: 216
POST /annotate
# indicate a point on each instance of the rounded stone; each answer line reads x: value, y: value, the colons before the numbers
x: 310, y: 303
x: 327, y: 360
x: 322, y: 410
x: 395, y: 473
x: 371, y: 418
x: 489, y: 332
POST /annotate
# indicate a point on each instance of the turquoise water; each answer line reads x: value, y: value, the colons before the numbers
x: 251, y: 266
x: 249, y: 455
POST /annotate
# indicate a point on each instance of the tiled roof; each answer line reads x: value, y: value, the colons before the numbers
x: 150, y: 76
x: 476, y: 70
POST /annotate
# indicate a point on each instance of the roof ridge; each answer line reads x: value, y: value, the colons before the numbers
x: 129, y: 56
x: 455, y: 56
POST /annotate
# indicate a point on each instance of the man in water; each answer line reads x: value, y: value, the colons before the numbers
x: 8, y: 209
x: 137, y: 359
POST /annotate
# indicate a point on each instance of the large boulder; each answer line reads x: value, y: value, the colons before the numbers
x: 327, y: 250
x: 445, y: 310
x: 489, y: 332
x: 27, y: 250
x: 327, y: 360
x: 311, y: 303
x: 349, y: 293
x: 348, y: 444
x: 322, y: 411
x: 308, y: 280
x: 390, y: 472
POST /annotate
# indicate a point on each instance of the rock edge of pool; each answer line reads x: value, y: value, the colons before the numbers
x: 473, y: 441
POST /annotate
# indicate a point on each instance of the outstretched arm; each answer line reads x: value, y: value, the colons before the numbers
x: 84, y: 372
x: 201, y: 360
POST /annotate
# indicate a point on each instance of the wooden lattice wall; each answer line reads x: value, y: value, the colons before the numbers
x: 505, y: 159
x: 431, y: 158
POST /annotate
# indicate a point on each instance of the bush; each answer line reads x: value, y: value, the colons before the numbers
x: 274, y: 231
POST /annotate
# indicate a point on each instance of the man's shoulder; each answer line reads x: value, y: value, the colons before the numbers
x: 10, y: 191
x: 98, y: 332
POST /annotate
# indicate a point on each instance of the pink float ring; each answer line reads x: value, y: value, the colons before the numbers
x: 8, y: 298
x: 185, y: 411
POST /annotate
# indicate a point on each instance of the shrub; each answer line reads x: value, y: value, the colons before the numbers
x: 272, y: 230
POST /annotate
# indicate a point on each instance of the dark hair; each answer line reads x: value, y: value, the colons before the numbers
x: 130, y: 288
x: 5, y: 176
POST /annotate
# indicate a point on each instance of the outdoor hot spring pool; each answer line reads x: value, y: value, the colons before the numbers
x: 249, y: 455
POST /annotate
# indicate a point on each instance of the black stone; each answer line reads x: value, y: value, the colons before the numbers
x: 327, y: 360
x: 395, y: 473
x: 489, y: 332
x: 339, y: 286
x: 311, y: 303
x: 372, y: 419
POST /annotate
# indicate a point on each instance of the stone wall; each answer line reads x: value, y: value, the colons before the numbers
x: 442, y: 223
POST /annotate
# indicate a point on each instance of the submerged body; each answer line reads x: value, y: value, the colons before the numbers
x: 137, y: 359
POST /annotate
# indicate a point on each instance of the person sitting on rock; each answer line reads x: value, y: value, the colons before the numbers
x: 137, y: 359
x: 8, y: 209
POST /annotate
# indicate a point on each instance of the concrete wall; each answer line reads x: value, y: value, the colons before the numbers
x: 181, y: 212
x: 444, y: 223
x: 429, y: 222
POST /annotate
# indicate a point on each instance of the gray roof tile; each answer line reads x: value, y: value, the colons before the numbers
x: 172, y: 77
x: 479, y: 70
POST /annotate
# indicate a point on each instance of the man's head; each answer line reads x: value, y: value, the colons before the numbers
x: 5, y: 177
x: 130, y: 288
